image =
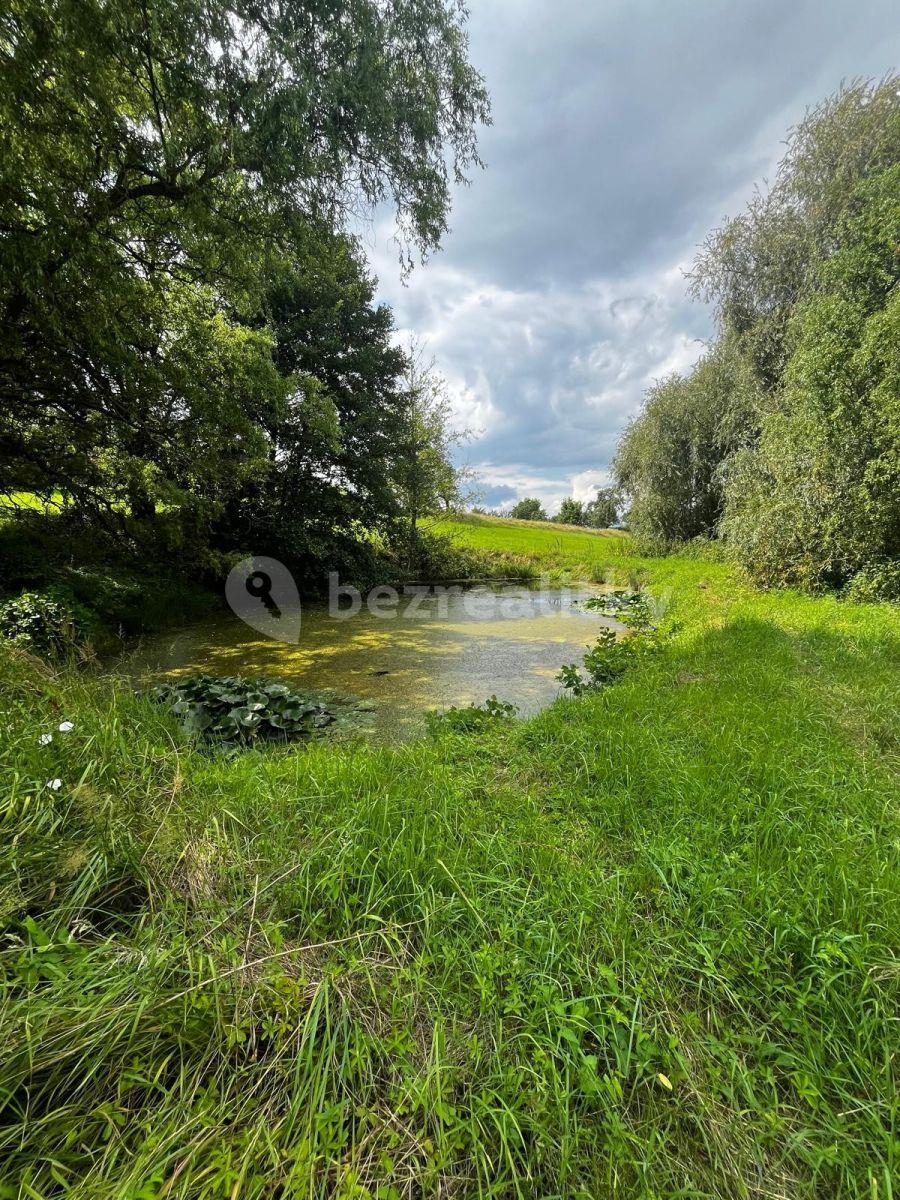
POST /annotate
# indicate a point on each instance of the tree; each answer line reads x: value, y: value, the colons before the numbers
x: 671, y: 459
x: 159, y: 163
x: 331, y: 447
x: 758, y: 265
x: 423, y: 473
x: 804, y: 282
x: 571, y: 512
x: 529, y: 509
x: 817, y: 500
x: 786, y: 437
x: 603, y: 511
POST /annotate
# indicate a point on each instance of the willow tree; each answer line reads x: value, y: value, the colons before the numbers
x: 816, y: 501
x: 757, y: 266
x: 786, y: 436
x: 671, y: 461
x: 158, y: 158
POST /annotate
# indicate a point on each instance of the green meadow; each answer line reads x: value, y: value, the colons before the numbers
x: 643, y: 944
x: 539, y: 547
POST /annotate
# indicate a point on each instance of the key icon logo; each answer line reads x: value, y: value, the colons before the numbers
x: 262, y: 592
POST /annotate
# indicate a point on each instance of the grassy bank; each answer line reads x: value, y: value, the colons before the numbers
x: 641, y: 945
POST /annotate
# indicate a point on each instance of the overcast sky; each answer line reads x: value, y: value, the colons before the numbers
x: 623, y: 131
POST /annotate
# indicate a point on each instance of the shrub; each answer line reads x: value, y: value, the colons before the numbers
x: 471, y: 718
x: 608, y: 659
x: 877, y: 581
x: 50, y: 623
x: 128, y: 604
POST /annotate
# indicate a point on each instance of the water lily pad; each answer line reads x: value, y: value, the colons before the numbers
x: 235, y: 712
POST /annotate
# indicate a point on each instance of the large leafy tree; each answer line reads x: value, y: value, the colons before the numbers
x: 571, y: 512
x: 756, y: 267
x: 670, y: 461
x: 158, y: 162
x: 603, y: 511
x: 332, y: 444
x: 785, y: 438
x: 528, y: 509
x: 817, y: 499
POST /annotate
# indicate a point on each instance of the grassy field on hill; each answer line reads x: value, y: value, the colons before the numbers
x: 544, y: 547
x: 642, y: 945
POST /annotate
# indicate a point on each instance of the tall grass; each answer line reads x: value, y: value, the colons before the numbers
x: 642, y: 945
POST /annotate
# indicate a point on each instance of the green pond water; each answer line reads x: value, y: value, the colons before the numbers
x: 434, y: 652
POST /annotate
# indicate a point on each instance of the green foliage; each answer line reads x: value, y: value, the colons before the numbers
x: 441, y: 557
x: 529, y: 509
x: 238, y: 712
x: 126, y: 603
x: 571, y: 512
x: 603, y: 511
x: 422, y: 473
x: 611, y: 656
x: 622, y: 605
x: 818, y: 498
x: 326, y: 497
x: 110, y: 593
x: 877, y: 581
x: 669, y: 461
x: 784, y: 439
x: 471, y: 718
x: 164, y: 172
x: 708, y: 549
x: 52, y: 624
x: 759, y: 265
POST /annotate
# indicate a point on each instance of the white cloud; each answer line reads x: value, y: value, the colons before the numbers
x: 622, y: 133
x: 548, y: 377
x: 508, y: 484
x: 585, y: 484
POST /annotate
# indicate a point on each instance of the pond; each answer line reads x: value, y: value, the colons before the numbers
x: 433, y: 649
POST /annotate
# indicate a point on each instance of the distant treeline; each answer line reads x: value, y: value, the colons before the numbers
x: 599, y: 513
x: 785, y: 438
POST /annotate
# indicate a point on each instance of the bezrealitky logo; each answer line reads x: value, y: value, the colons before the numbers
x: 262, y: 592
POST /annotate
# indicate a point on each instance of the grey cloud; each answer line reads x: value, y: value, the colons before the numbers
x: 623, y: 131
x: 496, y: 495
x: 622, y: 127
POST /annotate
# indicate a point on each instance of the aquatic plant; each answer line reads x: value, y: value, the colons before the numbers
x: 470, y: 718
x: 237, y: 711
x: 608, y: 658
x: 630, y: 607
